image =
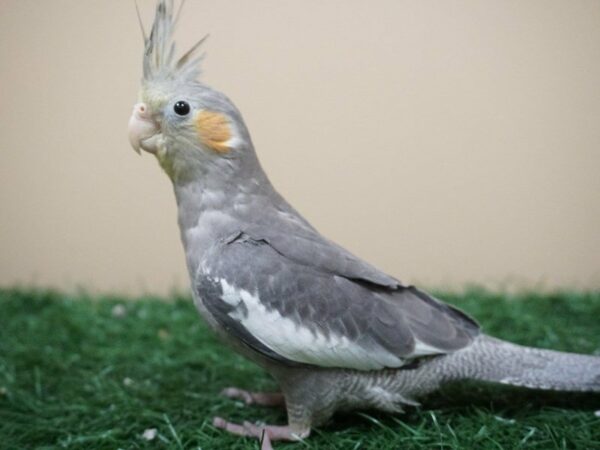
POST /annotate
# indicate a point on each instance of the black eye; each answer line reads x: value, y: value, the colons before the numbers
x: 181, y: 108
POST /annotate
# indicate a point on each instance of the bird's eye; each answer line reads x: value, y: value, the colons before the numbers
x: 181, y: 108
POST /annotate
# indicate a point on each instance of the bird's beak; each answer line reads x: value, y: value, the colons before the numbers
x: 144, y: 130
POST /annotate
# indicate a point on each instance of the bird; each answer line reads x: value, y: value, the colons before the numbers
x: 335, y: 332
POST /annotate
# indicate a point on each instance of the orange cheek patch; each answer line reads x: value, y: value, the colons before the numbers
x: 214, y: 130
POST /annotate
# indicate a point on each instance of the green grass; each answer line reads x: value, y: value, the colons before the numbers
x: 72, y: 375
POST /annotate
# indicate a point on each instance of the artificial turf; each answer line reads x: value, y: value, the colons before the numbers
x: 91, y: 372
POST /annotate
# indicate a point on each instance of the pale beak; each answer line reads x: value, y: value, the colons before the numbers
x: 144, y: 131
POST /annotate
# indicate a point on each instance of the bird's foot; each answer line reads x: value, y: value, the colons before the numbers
x: 265, y: 433
x: 255, y: 398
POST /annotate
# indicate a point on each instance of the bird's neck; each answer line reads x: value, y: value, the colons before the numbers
x: 214, y: 206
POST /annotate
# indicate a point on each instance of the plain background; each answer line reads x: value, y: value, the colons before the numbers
x: 447, y: 142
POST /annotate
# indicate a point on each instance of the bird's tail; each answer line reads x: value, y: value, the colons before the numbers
x: 493, y: 360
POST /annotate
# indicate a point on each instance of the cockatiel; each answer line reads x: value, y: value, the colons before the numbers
x: 335, y: 332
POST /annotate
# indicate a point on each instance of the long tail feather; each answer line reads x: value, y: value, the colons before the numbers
x: 490, y: 359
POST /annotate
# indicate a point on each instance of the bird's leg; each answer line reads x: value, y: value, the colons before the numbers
x: 266, y: 433
x: 299, y: 419
x: 309, y: 397
x: 255, y: 398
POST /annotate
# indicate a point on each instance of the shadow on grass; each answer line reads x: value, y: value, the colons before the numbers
x: 469, y: 400
x: 508, y: 398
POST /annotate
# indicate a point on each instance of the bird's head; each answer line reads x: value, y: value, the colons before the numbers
x: 189, y: 127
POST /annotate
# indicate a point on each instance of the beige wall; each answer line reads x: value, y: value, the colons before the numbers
x: 447, y: 142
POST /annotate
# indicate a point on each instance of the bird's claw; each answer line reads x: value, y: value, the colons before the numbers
x: 254, y: 398
x: 265, y: 433
x: 238, y: 394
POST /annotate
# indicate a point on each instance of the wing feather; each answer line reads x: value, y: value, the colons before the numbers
x: 301, y: 314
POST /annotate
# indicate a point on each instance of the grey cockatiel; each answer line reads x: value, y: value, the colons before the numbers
x: 335, y: 332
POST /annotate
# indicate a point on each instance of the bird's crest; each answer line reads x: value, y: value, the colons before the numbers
x: 159, y: 47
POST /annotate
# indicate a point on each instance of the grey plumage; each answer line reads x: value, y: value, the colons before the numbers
x: 334, y: 331
x: 487, y: 359
x: 382, y: 325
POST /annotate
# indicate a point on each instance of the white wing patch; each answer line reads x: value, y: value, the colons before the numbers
x: 297, y: 343
x: 422, y: 349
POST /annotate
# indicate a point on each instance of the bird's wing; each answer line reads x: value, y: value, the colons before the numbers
x: 286, y: 231
x: 298, y: 313
x: 310, y: 248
